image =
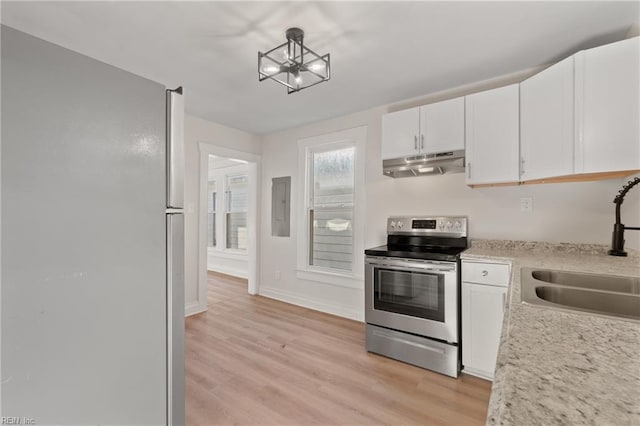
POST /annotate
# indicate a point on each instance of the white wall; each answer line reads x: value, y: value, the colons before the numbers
x: 569, y: 212
x: 198, y: 130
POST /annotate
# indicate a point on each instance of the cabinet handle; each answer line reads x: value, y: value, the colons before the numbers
x: 469, y: 170
x: 415, y: 143
x: 521, y: 166
x: 485, y: 273
x: 421, y: 141
x: 504, y: 301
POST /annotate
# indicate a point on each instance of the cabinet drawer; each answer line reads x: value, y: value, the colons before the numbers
x: 486, y: 273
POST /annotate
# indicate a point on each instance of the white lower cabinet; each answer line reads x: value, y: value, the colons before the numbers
x: 484, y: 292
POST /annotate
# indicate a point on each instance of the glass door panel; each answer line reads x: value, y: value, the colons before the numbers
x: 417, y: 294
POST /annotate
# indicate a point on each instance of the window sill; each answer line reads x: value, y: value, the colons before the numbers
x: 328, y: 277
x: 227, y: 253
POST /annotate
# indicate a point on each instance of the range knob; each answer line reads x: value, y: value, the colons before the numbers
x: 400, y: 225
x: 457, y: 224
x: 393, y: 224
x: 448, y: 225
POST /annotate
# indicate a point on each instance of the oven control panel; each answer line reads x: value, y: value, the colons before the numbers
x: 440, y: 225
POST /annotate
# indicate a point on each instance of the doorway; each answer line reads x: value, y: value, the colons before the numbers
x: 229, y: 182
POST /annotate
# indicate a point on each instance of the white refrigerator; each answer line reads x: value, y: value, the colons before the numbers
x: 92, y: 257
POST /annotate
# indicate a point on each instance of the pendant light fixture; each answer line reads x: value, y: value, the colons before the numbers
x: 293, y: 65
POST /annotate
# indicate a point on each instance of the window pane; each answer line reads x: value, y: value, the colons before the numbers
x: 333, y: 177
x: 331, y: 239
x: 211, y: 214
x: 236, y: 205
x: 237, y: 230
x: 237, y: 193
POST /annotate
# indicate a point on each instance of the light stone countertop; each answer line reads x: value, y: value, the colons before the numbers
x: 562, y: 367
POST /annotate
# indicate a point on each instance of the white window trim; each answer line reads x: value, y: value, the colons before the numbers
x: 215, y: 212
x: 328, y: 142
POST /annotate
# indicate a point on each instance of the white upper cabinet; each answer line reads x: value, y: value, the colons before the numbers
x: 607, y: 111
x: 437, y: 127
x: 442, y: 126
x: 547, y: 123
x: 492, y: 136
x: 400, y: 132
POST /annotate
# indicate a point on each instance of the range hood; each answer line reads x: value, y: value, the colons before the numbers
x: 424, y: 165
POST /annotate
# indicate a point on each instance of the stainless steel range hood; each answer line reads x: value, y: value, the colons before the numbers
x: 425, y: 164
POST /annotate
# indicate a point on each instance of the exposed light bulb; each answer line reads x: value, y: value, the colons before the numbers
x: 316, y: 67
x: 298, y: 79
x: 270, y: 69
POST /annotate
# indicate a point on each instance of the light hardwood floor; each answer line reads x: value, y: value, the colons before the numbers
x: 256, y: 361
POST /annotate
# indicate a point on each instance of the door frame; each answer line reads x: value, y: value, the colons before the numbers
x: 253, y: 163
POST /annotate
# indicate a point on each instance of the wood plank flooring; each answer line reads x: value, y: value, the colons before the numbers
x: 251, y: 360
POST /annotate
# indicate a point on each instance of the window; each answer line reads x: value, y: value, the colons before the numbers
x: 236, y: 211
x: 211, y: 213
x: 330, y: 209
x: 330, y: 243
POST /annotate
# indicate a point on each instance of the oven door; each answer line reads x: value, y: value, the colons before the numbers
x: 414, y: 296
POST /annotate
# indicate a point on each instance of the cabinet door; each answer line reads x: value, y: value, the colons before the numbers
x: 482, y: 313
x: 547, y: 123
x: 607, y: 87
x: 400, y: 132
x: 442, y: 126
x: 492, y: 136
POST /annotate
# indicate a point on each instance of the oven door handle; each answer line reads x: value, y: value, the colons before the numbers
x: 403, y: 264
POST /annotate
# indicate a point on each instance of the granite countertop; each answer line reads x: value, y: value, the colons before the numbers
x: 556, y: 366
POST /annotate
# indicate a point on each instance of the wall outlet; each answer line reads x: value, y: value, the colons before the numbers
x: 276, y: 275
x: 526, y: 204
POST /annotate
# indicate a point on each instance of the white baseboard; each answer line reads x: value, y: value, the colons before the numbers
x: 194, y: 308
x: 294, y: 299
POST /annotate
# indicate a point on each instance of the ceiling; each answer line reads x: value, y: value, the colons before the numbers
x: 381, y: 52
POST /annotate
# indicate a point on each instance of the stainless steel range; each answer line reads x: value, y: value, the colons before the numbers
x: 412, y: 292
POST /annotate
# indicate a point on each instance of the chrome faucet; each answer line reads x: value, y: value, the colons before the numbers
x: 617, y: 241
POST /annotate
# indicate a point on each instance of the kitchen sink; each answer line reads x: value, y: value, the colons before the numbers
x: 599, y: 294
x: 589, y: 281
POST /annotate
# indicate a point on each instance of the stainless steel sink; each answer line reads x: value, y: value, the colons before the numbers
x: 589, y: 281
x: 600, y: 294
x: 603, y: 302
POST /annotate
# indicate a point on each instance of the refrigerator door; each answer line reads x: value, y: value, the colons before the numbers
x: 84, y: 299
x: 175, y: 325
x: 175, y: 148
